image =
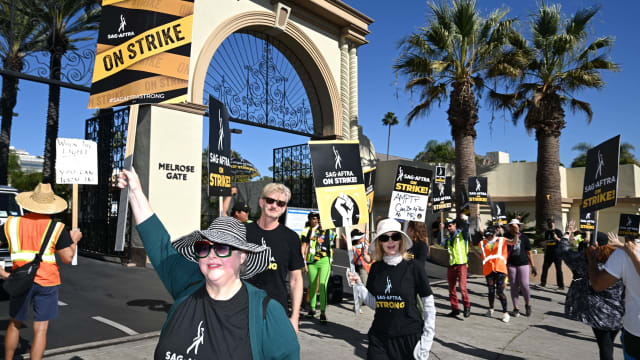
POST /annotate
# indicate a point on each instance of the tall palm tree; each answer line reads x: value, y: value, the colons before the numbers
x: 448, y: 58
x: 560, y: 62
x: 390, y: 119
x: 65, y: 24
x: 17, y: 41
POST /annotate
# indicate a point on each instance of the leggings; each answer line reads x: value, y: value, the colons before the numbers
x: 320, y: 269
x: 519, y: 280
x: 630, y: 345
x: 495, y: 281
x: 605, y: 339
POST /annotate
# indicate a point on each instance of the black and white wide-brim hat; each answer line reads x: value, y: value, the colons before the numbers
x: 229, y: 231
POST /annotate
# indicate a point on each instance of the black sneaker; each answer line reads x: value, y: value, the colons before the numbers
x: 515, y: 313
x: 467, y: 311
x: 311, y: 314
x: 323, y: 318
x: 454, y: 313
x: 527, y: 308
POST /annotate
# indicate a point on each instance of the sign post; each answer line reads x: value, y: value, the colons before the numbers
x: 340, y: 190
x: 76, y: 163
x: 601, y: 179
x: 123, y: 205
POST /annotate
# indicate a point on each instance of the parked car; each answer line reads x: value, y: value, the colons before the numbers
x: 8, y: 207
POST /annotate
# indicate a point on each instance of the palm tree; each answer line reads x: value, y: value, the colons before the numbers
x: 17, y: 41
x: 65, y: 24
x: 560, y: 63
x: 454, y: 52
x: 626, y: 154
x: 389, y: 120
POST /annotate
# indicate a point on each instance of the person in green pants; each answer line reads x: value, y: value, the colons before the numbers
x: 319, y: 256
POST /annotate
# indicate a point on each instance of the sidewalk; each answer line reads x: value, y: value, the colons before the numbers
x: 545, y: 335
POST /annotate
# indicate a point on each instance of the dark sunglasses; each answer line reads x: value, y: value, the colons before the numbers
x: 395, y: 237
x: 270, y: 201
x: 203, y: 248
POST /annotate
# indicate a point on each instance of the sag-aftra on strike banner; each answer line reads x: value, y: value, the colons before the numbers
x: 410, y: 195
x: 143, y: 53
x: 339, y: 183
x: 601, y: 176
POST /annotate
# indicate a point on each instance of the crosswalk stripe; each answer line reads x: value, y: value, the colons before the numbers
x: 120, y: 327
x: 60, y: 303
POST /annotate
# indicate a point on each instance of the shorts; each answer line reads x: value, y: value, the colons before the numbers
x: 45, y: 304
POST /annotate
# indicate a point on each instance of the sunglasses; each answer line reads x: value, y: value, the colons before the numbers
x: 395, y: 237
x: 203, y: 249
x: 270, y: 201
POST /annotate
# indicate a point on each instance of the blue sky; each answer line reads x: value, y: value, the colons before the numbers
x: 615, y: 107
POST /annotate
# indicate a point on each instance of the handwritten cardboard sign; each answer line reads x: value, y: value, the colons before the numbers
x: 76, y: 161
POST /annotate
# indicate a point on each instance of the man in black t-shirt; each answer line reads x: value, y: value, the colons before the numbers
x: 552, y: 254
x: 286, y: 256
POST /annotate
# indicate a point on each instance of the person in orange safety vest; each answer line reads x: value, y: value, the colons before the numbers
x: 25, y: 236
x: 494, y: 267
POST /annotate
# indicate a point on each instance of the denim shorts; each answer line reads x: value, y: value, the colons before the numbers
x: 44, y: 300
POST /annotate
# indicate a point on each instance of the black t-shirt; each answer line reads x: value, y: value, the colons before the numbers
x: 552, y: 244
x: 64, y: 240
x: 395, y: 289
x: 204, y: 328
x: 285, y: 257
x: 518, y: 255
x: 419, y: 251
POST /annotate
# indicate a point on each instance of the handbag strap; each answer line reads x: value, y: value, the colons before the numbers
x: 47, y: 236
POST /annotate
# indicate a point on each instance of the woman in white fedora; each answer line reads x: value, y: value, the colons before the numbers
x: 399, y: 330
x: 215, y: 313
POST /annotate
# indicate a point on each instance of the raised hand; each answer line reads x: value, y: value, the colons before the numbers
x: 345, y: 207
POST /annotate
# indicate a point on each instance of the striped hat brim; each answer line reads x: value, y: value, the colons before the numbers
x: 229, y: 231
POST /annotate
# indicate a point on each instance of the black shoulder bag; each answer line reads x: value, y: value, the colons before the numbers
x: 21, y: 279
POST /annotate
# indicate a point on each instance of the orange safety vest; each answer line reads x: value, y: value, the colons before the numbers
x: 26, y: 235
x: 358, y: 259
x: 494, y: 258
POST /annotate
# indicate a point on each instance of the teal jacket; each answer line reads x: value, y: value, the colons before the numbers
x: 272, y: 335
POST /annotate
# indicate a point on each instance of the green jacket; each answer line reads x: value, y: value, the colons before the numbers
x: 272, y: 335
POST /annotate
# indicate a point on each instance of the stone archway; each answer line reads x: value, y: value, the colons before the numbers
x: 319, y: 84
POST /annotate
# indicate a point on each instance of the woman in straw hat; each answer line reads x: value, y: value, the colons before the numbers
x: 393, y: 287
x: 215, y: 313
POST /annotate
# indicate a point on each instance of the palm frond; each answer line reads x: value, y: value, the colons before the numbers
x: 585, y: 107
x: 576, y: 26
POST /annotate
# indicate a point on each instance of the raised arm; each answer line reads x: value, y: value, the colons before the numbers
x: 140, y: 206
x: 631, y: 248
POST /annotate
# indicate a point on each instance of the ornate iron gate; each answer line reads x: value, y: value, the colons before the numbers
x: 98, y: 215
x: 292, y: 167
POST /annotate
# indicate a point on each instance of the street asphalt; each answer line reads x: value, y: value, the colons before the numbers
x: 547, y: 334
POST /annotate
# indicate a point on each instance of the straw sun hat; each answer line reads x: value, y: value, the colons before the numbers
x: 229, y: 231
x: 42, y: 200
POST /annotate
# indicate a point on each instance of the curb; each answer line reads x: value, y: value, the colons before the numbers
x: 97, y: 344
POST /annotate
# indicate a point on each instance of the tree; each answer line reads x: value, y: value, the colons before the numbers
x: 17, y: 41
x: 559, y: 63
x: 626, y: 154
x: 389, y: 120
x: 64, y: 24
x: 454, y: 51
x: 437, y: 152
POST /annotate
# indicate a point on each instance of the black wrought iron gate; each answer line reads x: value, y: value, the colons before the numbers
x: 292, y: 167
x: 98, y: 207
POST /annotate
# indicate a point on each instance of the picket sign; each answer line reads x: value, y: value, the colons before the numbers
x: 123, y: 205
x: 76, y: 163
x: 352, y: 267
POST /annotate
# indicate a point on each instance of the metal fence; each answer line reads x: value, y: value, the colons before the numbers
x: 292, y: 167
x: 98, y: 206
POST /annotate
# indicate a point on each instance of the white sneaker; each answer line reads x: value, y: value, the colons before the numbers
x: 506, y: 317
x: 490, y: 313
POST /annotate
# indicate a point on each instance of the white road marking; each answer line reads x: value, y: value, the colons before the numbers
x: 120, y: 327
x: 60, y: 303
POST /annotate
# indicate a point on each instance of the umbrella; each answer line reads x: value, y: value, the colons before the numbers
x: 243, y: 170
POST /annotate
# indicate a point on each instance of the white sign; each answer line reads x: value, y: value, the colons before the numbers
x: 297, y: 218
x: 410, y: 194
x: 76, y: 161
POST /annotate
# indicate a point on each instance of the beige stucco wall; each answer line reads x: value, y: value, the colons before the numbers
x: 175, y: 137
x: 209, y: 14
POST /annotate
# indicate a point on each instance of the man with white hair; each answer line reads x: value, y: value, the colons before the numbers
x: 286, y: 256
